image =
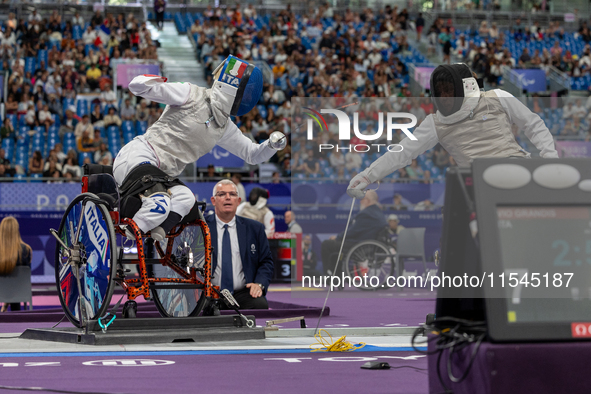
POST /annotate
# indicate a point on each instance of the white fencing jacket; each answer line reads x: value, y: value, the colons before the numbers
x: 194, y: 121
x: 486, y: 134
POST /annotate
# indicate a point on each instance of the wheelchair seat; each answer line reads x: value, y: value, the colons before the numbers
x: 106, y: 188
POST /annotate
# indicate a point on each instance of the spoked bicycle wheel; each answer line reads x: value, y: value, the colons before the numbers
x: 371, y: 258
x: 188, y: 253
x: 89, y: 226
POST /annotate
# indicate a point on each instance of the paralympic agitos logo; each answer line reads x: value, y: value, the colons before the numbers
x: 391, y: 120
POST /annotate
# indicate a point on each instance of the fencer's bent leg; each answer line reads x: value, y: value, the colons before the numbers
x: 154, y: 211
x: 182, y: 201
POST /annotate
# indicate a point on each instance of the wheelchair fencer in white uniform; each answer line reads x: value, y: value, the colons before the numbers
x: 194, y: 121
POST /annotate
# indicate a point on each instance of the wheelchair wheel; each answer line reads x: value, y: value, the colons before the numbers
x: 371, y: 258
x: 188, y: 252
x: 89, y: 226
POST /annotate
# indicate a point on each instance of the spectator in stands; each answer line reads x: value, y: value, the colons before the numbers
x: 11, y: 22
x: 310, y: 166
x: 524, y: 59
x: 353, y: 161
x: 108, y: 96
x: 397, y: 204
x: 276, y: 178
x: 97, y: 139
x: 414, y: 170
x: 426, y: 205
x: 103, y: 155
x: 142, y: 112
x: 96, y: 20
x: 159, y: 8
x: 462, y: 47
x: 7, y: 130
x: 36, y: 163
x: 51, y: 166
x: 83, y: 86
x: 92, y: 76
x: 77, y: 20
x: 34, y: 16
x: 127, y: 110
x: 337, y: 159
x: 45, y: 117
x: 112, y: 118
x: 85, y: 143
x: 71, y: 167
x: 211, y: 171
x: 11, y: 105
x: 39, y: 94
x: 113, y: 42
x: 237, y: 179
x: 55, y: 105
x: 556, y: 50
x: 419, y: 25
x: 445, y: 42
x: 13, y: 252
x: 83, y: 126
x: 96, y: 117
x: 59, y: 151
x: 5, y: 163
x: 567, y: 110
x: 578, y: 110
x: 30, y: 116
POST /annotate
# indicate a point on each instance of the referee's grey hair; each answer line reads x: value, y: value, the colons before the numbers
x: 224, y: 182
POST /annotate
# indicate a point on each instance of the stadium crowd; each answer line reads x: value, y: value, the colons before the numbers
x: 320, y: 54
x: 61, y: 110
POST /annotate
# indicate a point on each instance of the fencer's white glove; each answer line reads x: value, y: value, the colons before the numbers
x: 357, y: 186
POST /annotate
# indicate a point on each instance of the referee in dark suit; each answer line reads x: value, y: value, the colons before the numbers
x: 242, y: 260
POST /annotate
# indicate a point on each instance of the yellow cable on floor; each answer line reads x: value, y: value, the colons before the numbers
x: 340, y: 345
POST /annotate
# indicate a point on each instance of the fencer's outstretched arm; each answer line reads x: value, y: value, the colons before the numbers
x: 236, y: 143
x: 155, y: 88
x: 534, y: 127
x: 389, y: 162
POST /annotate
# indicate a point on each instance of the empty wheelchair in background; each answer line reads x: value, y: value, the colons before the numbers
x: 381, y: 259
x: 90, y: 258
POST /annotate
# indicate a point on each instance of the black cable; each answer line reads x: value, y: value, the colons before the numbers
x: 441, y: 382
x: 408, y: 366
x: 56, y: 324
x: 51, y: 390
x: 472, y: 358
x: 452, y: 335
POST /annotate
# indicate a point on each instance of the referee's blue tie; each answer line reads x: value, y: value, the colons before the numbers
x: 227, y: 273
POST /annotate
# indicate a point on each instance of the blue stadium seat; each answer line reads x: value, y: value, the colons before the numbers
x: 30, y: 65
x: 141, y: 127
x: 82, y: 156
x: 77, y: 32
x: 128, y: 136
x: 127, y: 127
x: 42, y: 56
x: 82, y: 108
x: 14, y: 119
